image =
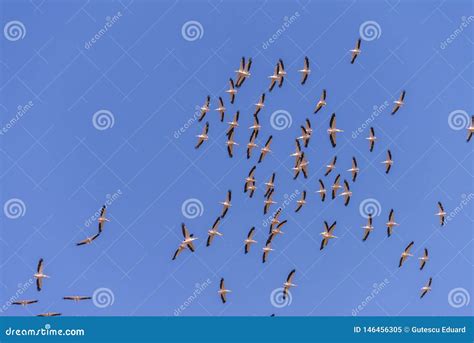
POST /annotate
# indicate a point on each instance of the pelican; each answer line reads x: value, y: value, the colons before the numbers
x: 331, y: 166
x: 214, y: 231
x: 281, y: 72
x: 232, y: 91
x: 288, y: 283
x: 102, y: 219
x: 270, y: 185
x: 260, y: 104
x: 243, y: 72
x: 368, y: 228
x: 346, y: 193
x: 327, y: 234
x: 391, y: 223
x: 256, y: 125
x: 234, y: 123
x: 221, y: 109
x: 49, y: 314
x: 250, y: 182
x: 303, y: 166
x: 274, y: 78
x: 230, y: 143
x: 301, y: 202
x: 268, y: 202
x: 423, y: 259
x: 205, y: 108
x: 277, y: 230
x: 249, y: 241
x: 405, y: 254
x: 305, y: 136
x: 275, y: 219
x: 441, y: 213
x: 356, y: 51
x: 223, y: 292
x: 388, y: 162
x: 336, y: 186
x: 24, y: 302
x: 305, y: 71
x: 267, y: 248
x: 265, y: 149
x: 39, y: 275
x: 77, y: 298
x: 227, y: 203
x: 307, y: 127
x: 399, y: 103
x: 203, y: 136
x: 371, y: 139
x: 297, y: 152
x: 186, y: 243
x: 470, y: 130
x: 322, y: 190
x: 333, y: 130
x: 426, y: 288
x: 321, y: 102
x: 251, y: 144
x: 354, y: 169
x: 88, y: 240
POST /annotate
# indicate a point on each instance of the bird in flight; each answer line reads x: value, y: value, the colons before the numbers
x: 470, y: 130
x: 102, y: 219
x: 268, y: 202
x: 399, y: 103
x: 205, y: 108
x: 249, y: 241
x: 441, y: 213
x: 305, y: 71
x: 223, y: 292
x: 267, y: 248
x: 368, y: 228
x: 405, y: 254
x: 186, y: 243
x: 275, y: 219
x: 203, y: 136
x: 331, y: 166
x: 346, y: 193
x: 423, y: 259
x: 391, y: 223
x: 301, y: 201
x: 426, y: 289
x: 270, y: 185
x: 49, y: 314
x: 336, y: 186
x: 230, y: 143
x: 327, y: 234
x: 371, y: 139
x: 232, y: 91
x: 39, y: 275
x: 244, y: 71
x: 214, y: 231
x: 88, y: 240
x: 226, y: 203
x: 288, y: 283
x: 356, y: 51
x: 388, y: 162
x: 250, y: 182
x: 354, y: 169
x: 24, y: 302
x: 274, y: 78
x: 260, y: 104
x: 256, y: 125
x: 265, y: 150
x: 332, y: 131
x: 322, y: 190
x: 297, y: 153
x: 281, y: 72
x: 234, y: 123
x: 277, y: 230
x: 251, y: 144
x: 321, y: 102
x: 221, y: 109
x: 77, y: 298
x: 305, y: 136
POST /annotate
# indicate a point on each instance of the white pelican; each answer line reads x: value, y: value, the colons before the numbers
x: 249, y: 241
x: 371, y: 139
x: 275, y: 219
x: 230, y: 143
x: 321, y: 102
x: 260, y: 104
x: 49, y: 314
x: 24, y: 302
x: 346, y: 193
x: 470, y: 130
x: 88, y: 240
x: 223, y: 292
x: 288, y: 283
x: 368, y: 228
x: 102, y: 219
x: 203, y: 136
x: 214, y: 231
x: 405, y: 254
x: 234, y: 123
x: 305, y: 71
x: 297, y: 152
x: 39, y: 275
x: 186, y: 243
x: 354, y: 169
x: 251, y: 144
x: 205, y: 108
x: 270, y: 185
x: 265, y: 150
x: 307, y: 127
x: 281, y: 72
x: 333, y: 130
x: 424, y: 259
x: 426, y: 288
x: 441, y: 213
x: 305, y: 136
x: 267, y: 248
x: 275, y: 77
x: 399, y: 103
x: 256, y: 125
x: 77, y: 298
x: 356, y: 51
x: 250, y: 180
x: 301, y: 202
x: 322, y: 190
x: 243, y: 72
x: 391, y: 223
x: 336, y: 186
x: 226, y: 204
x: 268, y: 202
x: 388, y: 162
x: 327, y: 234
x: 232, y: 91
x: 331, y: 166
x: 221, y: 108
x: 277, y: 230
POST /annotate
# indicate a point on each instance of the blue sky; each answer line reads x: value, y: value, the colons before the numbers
x: 150, y: 79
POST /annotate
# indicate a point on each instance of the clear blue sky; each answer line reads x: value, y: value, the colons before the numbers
x: 151, y: 79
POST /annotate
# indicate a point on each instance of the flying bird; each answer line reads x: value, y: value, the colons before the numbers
x: 332, y: 131
x: 336, y: 186
x: 223, y: 292
x: 368, y: 228
x: 249, y: 241
x: 321, y: 102
x: 24, y: 302
x: 221, y: 109
x: 186, y: 243
x: 268, y: 202
x: 203, y: 136
x: 441, y: 213
x: 277, y: 230
x: 281, y: 72
x: 305, y: 136
x: 307, y: 127
x: 265, y: 150
x: 234, y: 123
x: 388, y: 162
x: 305, y: 71
x: 230, y: 143
x: 270, y: 185
x: 346, y: 193
x: 288, y: 284
x: 267, y: 248
x: 205, y: 108
x: 399, y: 103
x: 391, y: 223
x: 102, y: 219
x: 77, y: 298
x: 232, y: 91
x: 260, y: 104
x: 327, y: 234
x: 322, y: 190
x: 356, y: 51
x: 423, y: 259
x: 88, y: 240
x: 371, y: 139
x: 426, y: 288
x: 331, y: 166
x: 226, y: 203
x: 256, y: 125
x: 274, y: 78
x: 297, y: 153
x: 214, y: 231
x: 405, y: 254
x: 354, y: 169
x: 301, y: 201
x: 251, y: 144
x: 49, y: 314
x: 39, y: 275
x: 470, y: 130
x: 250, y: 182
x: 244, y: 71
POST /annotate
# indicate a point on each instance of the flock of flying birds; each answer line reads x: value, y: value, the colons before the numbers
x: 300, y: 167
